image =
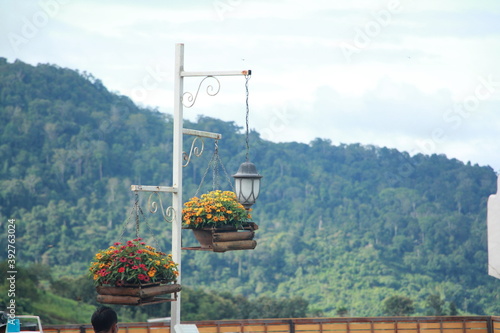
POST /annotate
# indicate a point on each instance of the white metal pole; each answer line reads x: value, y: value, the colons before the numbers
x: 177, y: 179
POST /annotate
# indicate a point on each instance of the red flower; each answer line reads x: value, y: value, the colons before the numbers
x: 123, y: 259
x: 117, y: 243
x: 142, y: 277
x: 121, y: 269
x: 137, y: 258
x: 143, y: 267
x: 135, y: 267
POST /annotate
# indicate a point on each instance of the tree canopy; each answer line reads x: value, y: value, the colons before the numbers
x: 341, y: 227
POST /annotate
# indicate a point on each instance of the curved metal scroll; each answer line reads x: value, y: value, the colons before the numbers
x: 195, y: 150
x: 168, y: 214
x: 188, y: 99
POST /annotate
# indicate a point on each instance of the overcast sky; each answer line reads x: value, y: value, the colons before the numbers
x: 422, y: 76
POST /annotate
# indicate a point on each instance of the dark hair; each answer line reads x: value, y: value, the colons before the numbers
x: 103, y: 319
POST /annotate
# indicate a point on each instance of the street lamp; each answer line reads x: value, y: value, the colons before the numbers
x: 247, y: 184
x: 247, y: 179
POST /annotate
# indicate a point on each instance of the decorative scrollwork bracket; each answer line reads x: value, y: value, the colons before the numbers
x: 168, y: 213
x: 188, y: 99
x: 195, y: 150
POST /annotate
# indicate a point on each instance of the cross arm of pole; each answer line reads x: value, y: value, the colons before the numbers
x: 145, y: 188
x: 223, y: 73
x: 202, y: 134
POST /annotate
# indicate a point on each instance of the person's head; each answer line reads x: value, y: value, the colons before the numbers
x: 105, y: 320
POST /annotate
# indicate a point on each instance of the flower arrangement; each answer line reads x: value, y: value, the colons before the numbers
x: 214, y: 209
x: 132, y: 263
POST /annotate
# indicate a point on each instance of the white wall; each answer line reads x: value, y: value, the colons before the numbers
x: 494, y: 233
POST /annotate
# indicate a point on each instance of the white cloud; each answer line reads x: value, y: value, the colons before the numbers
x: 398, y: 89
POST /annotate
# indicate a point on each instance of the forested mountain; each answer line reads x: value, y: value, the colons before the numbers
x: 341, y: 227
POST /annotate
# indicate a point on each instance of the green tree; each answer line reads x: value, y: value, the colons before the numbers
x: 342, y: 311
x: 398, y: 306
x: 435, y: 305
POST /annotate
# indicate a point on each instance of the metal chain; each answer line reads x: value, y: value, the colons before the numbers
x: 247, y: 78
x: 138, y: 211
x: 152, y: 235
x: 206, y: 171
x: 225, y: 172
x: 134, y: 211
x: 214, y: 163
x: 138, y: 216
x: 215, y: 167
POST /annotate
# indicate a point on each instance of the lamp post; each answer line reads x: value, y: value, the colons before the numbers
x: 248, y: 186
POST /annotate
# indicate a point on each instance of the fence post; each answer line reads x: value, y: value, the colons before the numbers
x: 489, y: 324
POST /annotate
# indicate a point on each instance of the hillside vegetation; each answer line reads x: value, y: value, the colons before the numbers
x: 341, y: 228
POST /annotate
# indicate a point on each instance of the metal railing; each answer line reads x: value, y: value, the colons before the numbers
x: 476, y: 324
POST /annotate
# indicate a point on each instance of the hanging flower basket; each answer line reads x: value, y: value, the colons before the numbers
x: 228, y: 238
x: 134, y: 274
x: 219, y: 222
